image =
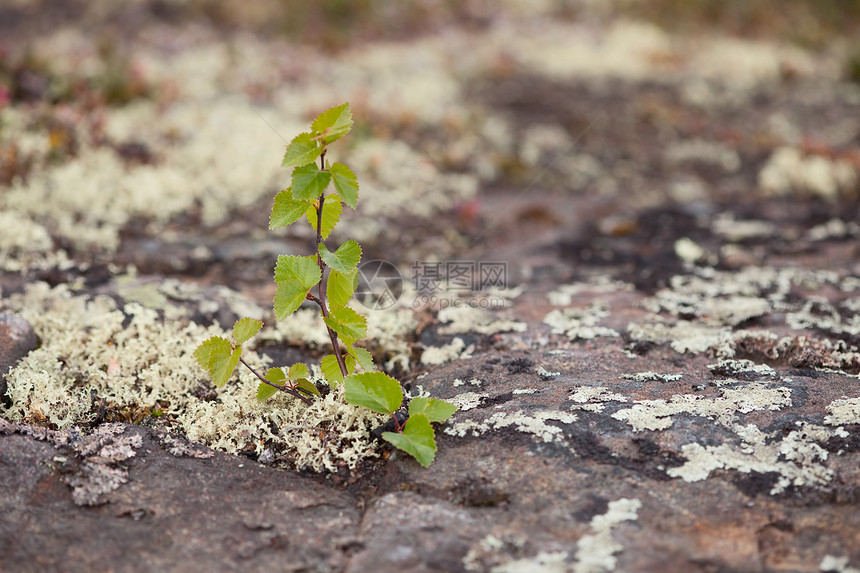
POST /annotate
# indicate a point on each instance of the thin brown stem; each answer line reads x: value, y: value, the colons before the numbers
x: 320, y: 300
x: 288, y: 390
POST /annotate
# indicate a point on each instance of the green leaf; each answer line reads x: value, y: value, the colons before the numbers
x: 307, y: 387
x: 309, y: 182
x: 348, y: 324
x: 333, y: 123
x: 436, y: 410
x: 418, y: 439
x: 299, y: 370
x: 245, y: 328
x: 303, y: 149
x: 376, y: 391
x: 331, y: 369
x: 344, y: 259
x: 286, y: 210
x: 345, y: 183
x: 216, y: 345
x: 362, y: 356
x: 340, y: 287
x: 264, y: 391
x: 275, y: 375
x: 331, y: 214
x: 295, y: 276
x: 219, y: 358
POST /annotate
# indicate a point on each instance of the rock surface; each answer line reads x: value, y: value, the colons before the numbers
x: 667, y: 382
x: 16, y: 340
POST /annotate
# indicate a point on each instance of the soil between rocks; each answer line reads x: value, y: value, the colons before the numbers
x: 618, y: 436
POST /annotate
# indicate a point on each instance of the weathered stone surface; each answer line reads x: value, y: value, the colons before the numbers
x: 669, y: 382
x: 16, y: 339
x: 171, y: 513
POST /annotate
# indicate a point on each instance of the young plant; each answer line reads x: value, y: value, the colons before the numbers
x: 333, y: 276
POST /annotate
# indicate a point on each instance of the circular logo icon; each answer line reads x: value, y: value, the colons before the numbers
x: 380, y: 285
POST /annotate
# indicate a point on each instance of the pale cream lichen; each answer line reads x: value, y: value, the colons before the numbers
x: 789, y: 171
x: 530, y: 423
x: 563, y: 295
x: 620, y: 51
x: 394, y: 175
x: 719, y: 301
x: 683, y: 336
x: 596, y: 551
x: 464, y: 319
x: 797, y: 457
x: 468, y: 400
x: 818, y: 312
x: 843, y: 411
x: 729, y: 367
x: 833, y: 229
x: 545, y: 374
x: 580, y: 323
x: 838, y: 564
x: 651, y: 376
x: 593, y: 398
x: 543, y: 562
x: 691, y: 252
x: 99, y: 473
x: 657, y: 414
x: 92, y: 349
x: 454, y: 350
x: 702, y: 151
x: 733, y: 230
x: 321, y: 436
x: 540, y: 140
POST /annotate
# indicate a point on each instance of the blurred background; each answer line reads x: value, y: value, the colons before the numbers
x: 149, y: 133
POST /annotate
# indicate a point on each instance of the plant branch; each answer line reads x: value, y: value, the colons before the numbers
x: 332, y: 335
x: 286, y: 389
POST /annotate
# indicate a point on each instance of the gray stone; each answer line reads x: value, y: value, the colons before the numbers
x: 16, y: 340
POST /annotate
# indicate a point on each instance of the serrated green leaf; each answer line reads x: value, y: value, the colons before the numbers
x: 275, y: 375
x: 376, y: 391
x: 436, y: 410
x: 286, y: 210
x: 210, y: 348
x: 223, y: 368
x: 333, y: 123
x: 219, y: 358
x: 264, y: 391
x: 331, y: 369
x: 340, y: 287
x: 298, y: 370
x: 309, y: 182
x: 344, y: 259
x: 349, y: 325
x: 245, y: 328
x: 362, y: 356
x: 418, y: 439
x: 303, y: 149
x: 295, y: 276
x: 307, y: 387
x: 331, y: 214
x: 345, y: 183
